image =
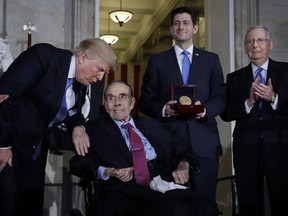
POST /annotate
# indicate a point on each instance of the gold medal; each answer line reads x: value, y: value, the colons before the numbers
x: 185, y: 100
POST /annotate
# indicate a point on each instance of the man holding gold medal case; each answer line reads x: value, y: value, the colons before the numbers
x: 169, y: 94
x: 185, y: 95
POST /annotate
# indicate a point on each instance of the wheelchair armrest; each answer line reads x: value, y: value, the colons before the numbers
x: 195, y: 169
x: 88, y: 177
x: 89, y: 184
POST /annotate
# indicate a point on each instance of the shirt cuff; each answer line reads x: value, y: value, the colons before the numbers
x: 100, y: 174
x: 275, y: 103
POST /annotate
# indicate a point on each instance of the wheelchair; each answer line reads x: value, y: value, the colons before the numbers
x: 90, y: 187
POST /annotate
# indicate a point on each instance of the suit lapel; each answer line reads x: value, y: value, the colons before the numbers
x: 276, y: 75
x: 60, y: 83
x: 194, y: 66
x: 246, y: 78
x: 174, y: 67
x: 149, y: 136
x: 117, y: 139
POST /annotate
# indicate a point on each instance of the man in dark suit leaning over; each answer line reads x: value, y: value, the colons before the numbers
x: 260, y: 137
x: 38, y: 101
x: 110, y: 153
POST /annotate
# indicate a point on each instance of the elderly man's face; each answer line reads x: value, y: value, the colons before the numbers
x: 258, y: 46
x: 119, y: 102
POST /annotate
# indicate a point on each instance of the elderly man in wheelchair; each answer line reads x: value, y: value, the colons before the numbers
x: 111, y: 158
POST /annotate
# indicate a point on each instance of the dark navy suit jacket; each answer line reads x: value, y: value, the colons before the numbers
x: 206, y: 73
x: 35, y: 82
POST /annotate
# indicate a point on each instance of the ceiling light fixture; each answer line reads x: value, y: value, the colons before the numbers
x: 120, y: 16
x: 109, y: 38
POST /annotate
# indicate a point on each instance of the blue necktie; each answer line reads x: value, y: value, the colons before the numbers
x: 61, y: 115
x: 185, y: 66
x: 262, y: 80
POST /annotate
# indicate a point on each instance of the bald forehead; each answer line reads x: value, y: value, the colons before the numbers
x: 117, y: 87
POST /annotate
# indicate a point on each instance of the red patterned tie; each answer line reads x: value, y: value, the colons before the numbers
x: 141, y: 171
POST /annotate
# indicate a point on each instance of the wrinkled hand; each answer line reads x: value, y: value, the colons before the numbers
x: 181, y: 174
x: 168, y: 109
x: 265, y: 92
x: 5, y: 158
x: 259, y: 90
x: 81, y: 140
x: 124, y: 174
x: 3, y: 97
x: 252, y: 96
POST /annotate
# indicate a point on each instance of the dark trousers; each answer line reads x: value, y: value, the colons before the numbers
x: 271, y: 169
x: 131, y: 199
x: 22, y: 186
x: 8, y: 192
x: 206, y: 182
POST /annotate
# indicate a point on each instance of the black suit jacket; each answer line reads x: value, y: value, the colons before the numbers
x: 206, y: 73
x: 109, y: 149
x: 35, y: 82
x: 271, y: 125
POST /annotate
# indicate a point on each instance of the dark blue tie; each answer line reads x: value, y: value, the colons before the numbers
x: 185, y: 66
x: 262, y: 80
x: 61, y: 115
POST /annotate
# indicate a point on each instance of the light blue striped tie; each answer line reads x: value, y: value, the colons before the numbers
x: 185, y: 66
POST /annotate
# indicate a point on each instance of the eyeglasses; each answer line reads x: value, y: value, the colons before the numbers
x: 260, y: 41
x: 120, y: 97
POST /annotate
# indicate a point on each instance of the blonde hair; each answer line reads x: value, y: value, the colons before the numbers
x: 95, y: 47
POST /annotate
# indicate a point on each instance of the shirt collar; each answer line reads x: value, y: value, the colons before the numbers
x: 72, y: 68
x: 120, y: 123
x: 179, y: 51
x: 264, y: 66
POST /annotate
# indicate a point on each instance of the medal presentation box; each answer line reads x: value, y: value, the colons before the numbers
x: 185, y: 95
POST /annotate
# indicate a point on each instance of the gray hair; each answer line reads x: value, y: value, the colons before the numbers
x: 268, y: 33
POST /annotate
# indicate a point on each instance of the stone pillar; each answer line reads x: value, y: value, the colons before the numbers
x: 84, y: 20
x: 246, y: 15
